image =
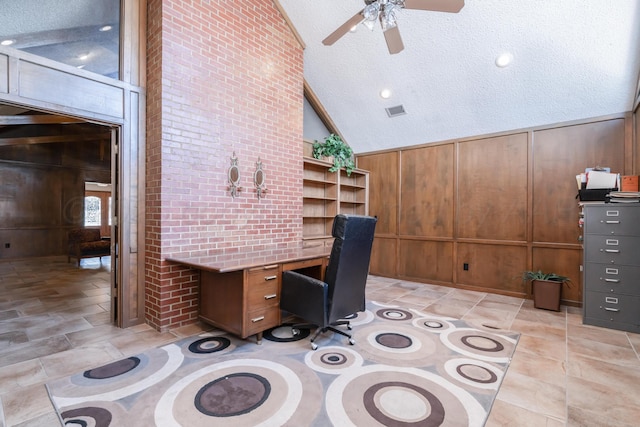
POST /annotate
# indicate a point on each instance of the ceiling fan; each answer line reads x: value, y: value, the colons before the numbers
x: 385, y: 12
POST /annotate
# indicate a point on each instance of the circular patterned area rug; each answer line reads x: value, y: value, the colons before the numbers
x: 407, y: 368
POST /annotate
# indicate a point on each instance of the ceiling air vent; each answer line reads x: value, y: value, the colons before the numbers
x: 398, y: 110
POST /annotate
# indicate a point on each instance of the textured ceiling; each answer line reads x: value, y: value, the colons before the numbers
x: 572, y: 60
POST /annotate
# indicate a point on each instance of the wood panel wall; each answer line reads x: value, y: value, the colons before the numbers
x: 42, y: 194
x: 476, y: 213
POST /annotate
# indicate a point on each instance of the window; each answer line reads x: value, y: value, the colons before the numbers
x: 92, y: 211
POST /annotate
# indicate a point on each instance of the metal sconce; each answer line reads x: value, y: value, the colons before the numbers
x: 259, y: 179
x: 233, y: 175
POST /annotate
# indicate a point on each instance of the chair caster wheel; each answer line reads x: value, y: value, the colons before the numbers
x: 352, y: 341
x: 314, y: 346
x: 349, y: 327
x: 295, y: 332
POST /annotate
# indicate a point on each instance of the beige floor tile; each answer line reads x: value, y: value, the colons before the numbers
x: 483, y: 316
x: 603, y: 351
x: 59, y: 328
x: 604, y: 400
x: 132, y: 344
x: 596, y: 333
x: 504, y: 414
x: 31, y: 402
x: 452, y: 307
x: 605, y: 373
x: 548, y: 370
x: 578, y: 417
x: 34, y: 349
x: 50, y: 419
x: 21, y: 375
x: 534, y: 395
x: 549, y: 347
x: 80, y: 359
x: 536, y: 329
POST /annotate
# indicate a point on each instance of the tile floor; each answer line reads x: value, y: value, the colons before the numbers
x: 562, y: 374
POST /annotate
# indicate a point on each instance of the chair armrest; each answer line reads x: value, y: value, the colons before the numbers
x: 304, y: 296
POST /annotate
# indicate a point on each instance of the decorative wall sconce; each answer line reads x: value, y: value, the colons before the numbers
x: 259, y: 179
x: 233, y: 174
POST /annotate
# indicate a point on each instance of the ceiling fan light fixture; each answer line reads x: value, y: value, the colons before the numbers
x: 7, y: 42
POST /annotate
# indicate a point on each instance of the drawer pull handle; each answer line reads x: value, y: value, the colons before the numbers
x: 615, y: 310
x: 257, y: 319
x: 272, y: 296
x: 612, y: 251
x: 612, y: 280
x: 269, y: 267
x: 611, y: 300
x: 612, y: 222
x: 267, y: 278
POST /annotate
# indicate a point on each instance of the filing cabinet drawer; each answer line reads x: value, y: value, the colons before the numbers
x: 612, y: 220
x: 262, y: 319
x: 618, y: 310
x: 613, y: 279
x: 618, y: 250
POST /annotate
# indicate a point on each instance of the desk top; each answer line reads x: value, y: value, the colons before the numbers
x: 227, y: 262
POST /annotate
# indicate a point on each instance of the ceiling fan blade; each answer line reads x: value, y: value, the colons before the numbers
x: 344, y: 29
x: 394, y: 41
x: 452, y: 6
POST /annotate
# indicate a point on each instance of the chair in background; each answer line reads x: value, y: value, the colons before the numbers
x: 87, y: 243
x: 326, y: 304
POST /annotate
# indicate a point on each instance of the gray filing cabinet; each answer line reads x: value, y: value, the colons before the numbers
x: 612, y: 266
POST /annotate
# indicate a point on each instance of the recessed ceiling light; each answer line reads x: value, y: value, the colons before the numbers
x: 504, y: 60
x: 7, y: 42
x: 106, y: 28
x: 385, y: 93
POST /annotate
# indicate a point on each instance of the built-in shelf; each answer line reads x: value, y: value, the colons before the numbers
x: 325, y: 194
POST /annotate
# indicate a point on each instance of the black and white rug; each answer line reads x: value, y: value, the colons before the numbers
x: 407, y: 368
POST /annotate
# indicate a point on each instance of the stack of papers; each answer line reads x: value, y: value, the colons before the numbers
x: 624, y: 196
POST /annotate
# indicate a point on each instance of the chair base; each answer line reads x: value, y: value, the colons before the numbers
x: 332, y: 327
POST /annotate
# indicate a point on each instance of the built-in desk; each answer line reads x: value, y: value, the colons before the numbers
x: 240, y: 292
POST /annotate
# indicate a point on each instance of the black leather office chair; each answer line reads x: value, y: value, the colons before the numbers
x: 326, y: 304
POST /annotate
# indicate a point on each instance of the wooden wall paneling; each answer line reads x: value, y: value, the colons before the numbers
x: 383, y: 176
x: 558, y: 155
x: 492, y: 188
x: 426, y: 191
x: 636, y: 142
x: 51, y: 85
x: 565, y: 262
x: 493, y: 267
x: 425, y: 260
x: 383, y: 257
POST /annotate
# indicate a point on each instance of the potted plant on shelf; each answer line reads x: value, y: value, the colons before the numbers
x: 546, y: 288
x: 333, y: 146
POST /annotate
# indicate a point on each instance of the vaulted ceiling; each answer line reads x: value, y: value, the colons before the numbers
x: 571, y: 60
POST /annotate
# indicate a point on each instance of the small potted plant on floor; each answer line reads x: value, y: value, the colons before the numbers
x: 546, y: 288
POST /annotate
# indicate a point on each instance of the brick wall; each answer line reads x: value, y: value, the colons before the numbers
x: 223, y: 77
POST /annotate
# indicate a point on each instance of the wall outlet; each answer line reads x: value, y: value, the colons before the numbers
x: 7, y: 245
x: 465, y: 266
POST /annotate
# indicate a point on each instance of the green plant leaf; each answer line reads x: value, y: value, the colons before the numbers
x: 334, y: 146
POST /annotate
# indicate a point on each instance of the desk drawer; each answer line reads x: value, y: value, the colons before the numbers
x: 263, y: 294
x: 267, y: 274
x: 262, y: 319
